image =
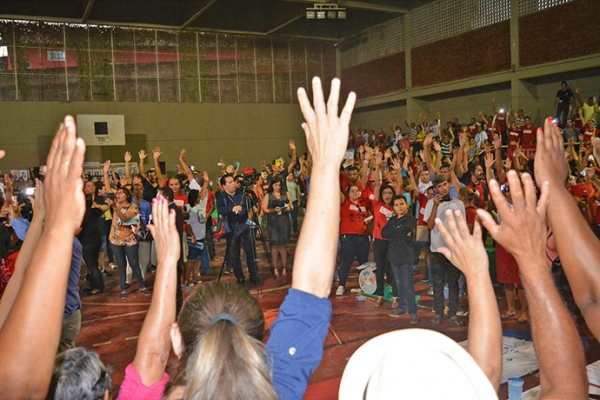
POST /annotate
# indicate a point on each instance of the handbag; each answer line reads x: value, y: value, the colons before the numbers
x: 220, y: 228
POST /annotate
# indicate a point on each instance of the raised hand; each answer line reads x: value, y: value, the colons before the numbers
x: 489, y: 160
x: 205, y: 176
x: 326, y: 133
x: 497, y: 141
x: 164, y: 232
x: 63, y: 194
x: 292, y: 145
x: 127, y: 157
x: 437, y: 147
x: 142, y: 154
x: 550, y: 162
x: 182, y: 154
x: 523, y: 229
x: 106, y: 167
x: 462, y: 249
x: 428, y: 139
x: 156, y: 152
x: 396, y: 165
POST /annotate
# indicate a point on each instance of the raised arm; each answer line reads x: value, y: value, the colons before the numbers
x: 523, y: 233
x: 292, y: 145
x: 489, y: 164
x: 498, y: 156
x: 570, y: 229
x: 26, y: 353
x: 105, y: 170
x: 186, y: 169
x: 579, y: 98
x: 142, y: 154
x: 468, y: 254
x: 156, y: 153
x: 366, y: 168
x: 154, y: 342
x: 427, y: 153
x: 438, y: 155
x: 127, y: 158
x: 327, y: 138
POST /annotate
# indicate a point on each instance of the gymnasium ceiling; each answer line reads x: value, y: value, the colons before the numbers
x: 254, y: 17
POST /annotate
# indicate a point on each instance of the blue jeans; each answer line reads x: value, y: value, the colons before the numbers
x: 294, y: 216
x: 124, y: 254
x: 406, y: 288
x: 352, y: 246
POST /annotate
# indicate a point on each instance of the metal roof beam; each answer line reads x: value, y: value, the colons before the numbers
x: 88, y: 11
x: 356, y: 4
x: 286, y: 23
x: 198, y: 14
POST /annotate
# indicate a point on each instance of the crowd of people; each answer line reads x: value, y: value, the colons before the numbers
x: 435, y: 190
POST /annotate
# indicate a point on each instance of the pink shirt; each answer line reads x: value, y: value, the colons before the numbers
x: 133, y: 388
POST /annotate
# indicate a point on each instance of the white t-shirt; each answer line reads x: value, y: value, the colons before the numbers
x: 424, y: 186
x: 436, y: 237
x: 194, y: 185
x: 197, y: 219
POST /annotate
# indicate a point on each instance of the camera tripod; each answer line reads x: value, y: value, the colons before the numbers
x: 255, y: 229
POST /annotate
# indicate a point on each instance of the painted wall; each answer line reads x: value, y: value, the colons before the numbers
x: 248, y: 133
x: 380, y: 118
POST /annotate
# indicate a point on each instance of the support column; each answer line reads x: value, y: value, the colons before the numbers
x: 407, y: 52
x: 514, y: 34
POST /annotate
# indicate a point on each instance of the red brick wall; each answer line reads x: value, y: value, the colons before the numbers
x: 479, y: 52
x: 559, y: 33
x: 384, y: 75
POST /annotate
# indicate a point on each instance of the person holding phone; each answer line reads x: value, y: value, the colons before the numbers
x: 277, y: 205
x: 442, y: 269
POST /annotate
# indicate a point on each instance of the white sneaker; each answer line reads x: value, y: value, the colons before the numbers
x: 339, y: 291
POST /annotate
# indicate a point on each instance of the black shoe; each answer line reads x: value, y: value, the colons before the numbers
x: 241, y: 282
x: 106, y: 274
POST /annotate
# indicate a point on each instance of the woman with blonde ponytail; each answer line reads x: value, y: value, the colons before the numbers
x: 219, y: 332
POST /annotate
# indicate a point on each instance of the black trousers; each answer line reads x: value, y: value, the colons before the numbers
x: 235, y: 245
x: 443, y: 270
x: 380, y: 248
x: 91, y: 249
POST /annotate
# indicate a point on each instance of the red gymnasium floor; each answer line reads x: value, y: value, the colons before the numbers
x: 110, y: 326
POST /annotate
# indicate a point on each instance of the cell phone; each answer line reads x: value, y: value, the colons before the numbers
x: 30, y: 191
x: 110, y: 196
x: 446, y: 198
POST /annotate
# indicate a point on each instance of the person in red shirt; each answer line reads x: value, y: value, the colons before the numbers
x: 353, y: 233
x: 500, y: 117
x: 470, y: 199
x: 422, y: 236
x: 577, y: 120
x: 473, y: 127
x: 514, y: 139
x: 528, y: 134
x: 349, y: 179
x: 590, y: 131
x: 382, y: 212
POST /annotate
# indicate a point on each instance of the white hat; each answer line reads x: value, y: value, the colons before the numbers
x: 413, y: 364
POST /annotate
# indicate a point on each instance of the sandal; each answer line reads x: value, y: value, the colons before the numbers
x: 508, y: 315
x: 378, y: 302
x: 284, y: 271
x: 456, y: 321
x: 276, y: 272
x: 437, y: 320
x: 523, y: 320
x: 394, y: 303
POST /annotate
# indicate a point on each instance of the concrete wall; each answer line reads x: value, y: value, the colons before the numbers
x: 248, y: 133
x: 381, y: 118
